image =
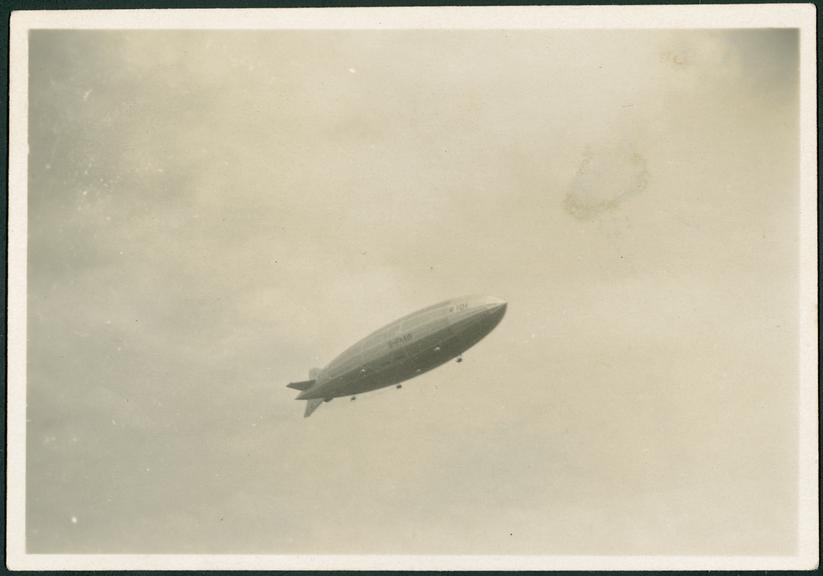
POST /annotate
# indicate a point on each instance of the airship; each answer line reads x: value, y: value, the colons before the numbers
x: 406, y: 348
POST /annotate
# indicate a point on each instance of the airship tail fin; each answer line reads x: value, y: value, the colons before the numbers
x: 311, y: 406
x: 304, y: 385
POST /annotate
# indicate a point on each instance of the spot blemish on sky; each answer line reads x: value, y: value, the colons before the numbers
x: 607, y: 176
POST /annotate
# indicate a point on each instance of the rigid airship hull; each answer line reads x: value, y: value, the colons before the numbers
x: 404, y: 349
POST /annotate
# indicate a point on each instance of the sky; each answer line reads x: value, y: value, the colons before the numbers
x: 212, y: 214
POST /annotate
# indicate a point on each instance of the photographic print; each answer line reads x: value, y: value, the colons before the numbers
x: 422, y: 288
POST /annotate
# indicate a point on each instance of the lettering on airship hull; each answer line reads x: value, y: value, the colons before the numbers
x: 405, y: 348
x: 400, y: 340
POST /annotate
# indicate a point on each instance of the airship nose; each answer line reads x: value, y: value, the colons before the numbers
x: 489, y: 301
x: 496, y: 307
x: 501, y: 308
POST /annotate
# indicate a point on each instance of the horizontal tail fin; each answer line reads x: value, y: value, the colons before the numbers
x: 304, y: 385
x: 311, y: 406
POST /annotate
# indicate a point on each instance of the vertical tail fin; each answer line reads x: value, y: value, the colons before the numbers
x: 311, y: 406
